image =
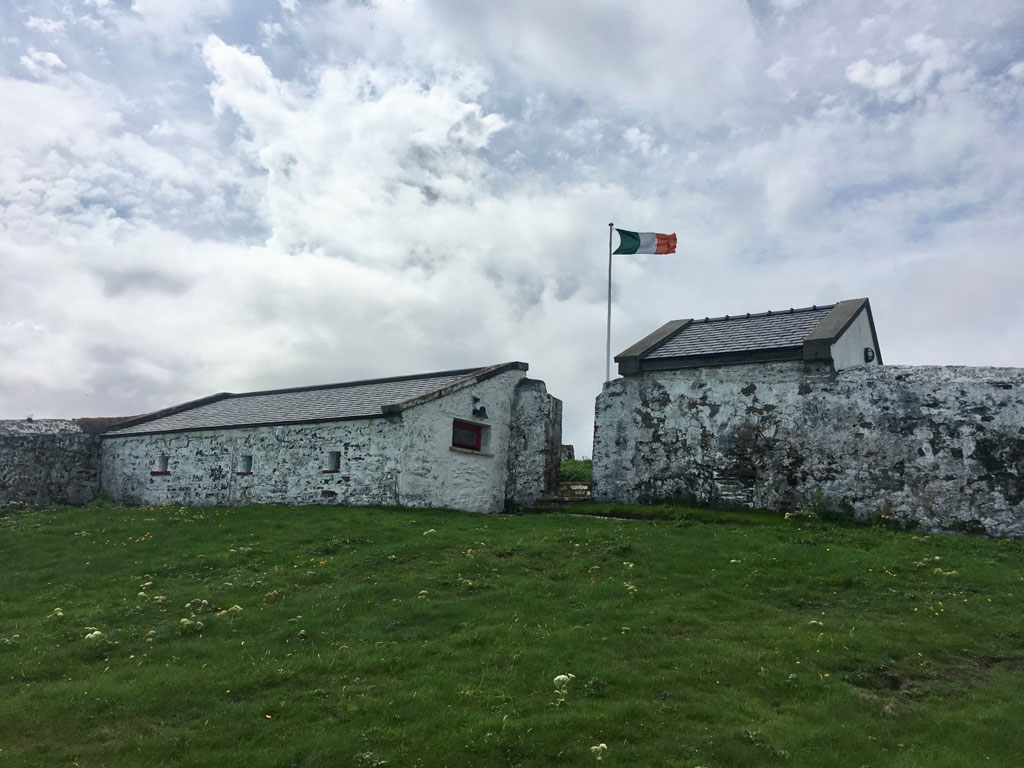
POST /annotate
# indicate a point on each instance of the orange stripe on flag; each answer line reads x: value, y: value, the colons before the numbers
x: 666, y: 243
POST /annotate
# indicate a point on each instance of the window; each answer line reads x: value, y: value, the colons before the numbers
x: 333, y: 462
x: 244, y: 465
x: 162, y: 462
x: 467, y: 435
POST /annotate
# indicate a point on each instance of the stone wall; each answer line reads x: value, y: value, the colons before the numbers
x: 940, y: 447
x: 287, y: 465
x: 435, y: 474
x: 47, y: 461
x: 535, y: 444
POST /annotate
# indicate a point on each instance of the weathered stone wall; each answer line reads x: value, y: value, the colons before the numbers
x: 407, y: 459
x: 287, y: 467
x: 535, y: 444
x: 47, y: 461
x: 942, y: 447
x: 434, y: 474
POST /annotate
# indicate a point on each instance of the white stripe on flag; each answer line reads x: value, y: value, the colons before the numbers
x: 648, y: 242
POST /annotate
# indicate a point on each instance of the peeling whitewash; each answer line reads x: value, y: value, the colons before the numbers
x: 405, y: 459
x: 942, y: 447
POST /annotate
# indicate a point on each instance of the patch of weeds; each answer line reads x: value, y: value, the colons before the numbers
x: 576, y: 471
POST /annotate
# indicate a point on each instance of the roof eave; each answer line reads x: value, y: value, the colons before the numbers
x: 781, y: 354
x: 250, y: 425
x: 629, y: 359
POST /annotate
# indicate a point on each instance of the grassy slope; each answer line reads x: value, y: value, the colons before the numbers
x: 744, y: 643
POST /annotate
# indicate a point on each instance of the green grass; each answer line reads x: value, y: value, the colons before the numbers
x: 364, y: 637
x: 576, y: 471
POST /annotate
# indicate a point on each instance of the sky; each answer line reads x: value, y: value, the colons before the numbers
x: 208, y: 195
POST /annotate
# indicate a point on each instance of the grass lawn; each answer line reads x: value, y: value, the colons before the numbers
x: 369, y: 637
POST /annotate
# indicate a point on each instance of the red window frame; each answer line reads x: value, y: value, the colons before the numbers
x: 477, y: 431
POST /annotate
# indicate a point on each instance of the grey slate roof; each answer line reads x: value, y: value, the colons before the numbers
x: 331, y: 402
x: 741, y: 333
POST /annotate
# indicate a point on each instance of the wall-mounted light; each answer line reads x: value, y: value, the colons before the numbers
x: 869, y: 354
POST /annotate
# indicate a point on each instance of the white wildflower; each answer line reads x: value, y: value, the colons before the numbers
x: 58, y: 613
x: 95, y: 636
x: 189, y: 627
x: 431, y: 531
x: 597, y: 750
x: 562, y: 685
x: 562, y: 680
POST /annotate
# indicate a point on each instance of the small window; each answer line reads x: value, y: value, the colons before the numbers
x: 162, y: 462
x: 244, y: 465
x: 333, y: 461
x: 467, y: 436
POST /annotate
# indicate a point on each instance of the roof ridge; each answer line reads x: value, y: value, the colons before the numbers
x: 360, y: 382
x: 769, y: 313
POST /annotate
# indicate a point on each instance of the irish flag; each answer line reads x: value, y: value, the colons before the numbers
x: 645, y: 242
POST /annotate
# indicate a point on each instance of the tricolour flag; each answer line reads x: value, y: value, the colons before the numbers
x: 645, y: 242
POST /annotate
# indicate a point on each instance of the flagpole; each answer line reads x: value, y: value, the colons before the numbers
x: 608, y: 337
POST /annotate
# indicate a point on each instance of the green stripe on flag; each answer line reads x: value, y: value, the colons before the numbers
x: 628, y: 241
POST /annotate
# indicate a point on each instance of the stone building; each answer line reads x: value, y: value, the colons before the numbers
x: 794, y: 409
x: 483, y: 440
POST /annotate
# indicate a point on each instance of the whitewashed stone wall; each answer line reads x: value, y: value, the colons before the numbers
x: 942, y: 447
x: 286, y: 469
x: 48, y: 461
x: 404, y: 460
x: 436, y: 475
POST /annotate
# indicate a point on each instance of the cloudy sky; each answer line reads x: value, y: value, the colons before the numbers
x: 207, y: 195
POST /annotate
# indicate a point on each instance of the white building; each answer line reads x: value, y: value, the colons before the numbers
x: 482, y: 440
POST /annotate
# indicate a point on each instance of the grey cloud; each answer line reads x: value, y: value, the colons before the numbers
x: 118, y: 281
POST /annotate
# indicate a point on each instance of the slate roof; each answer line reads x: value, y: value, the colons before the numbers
x: 789, y: 334
x: 330, y: 402
x: 742, y: 333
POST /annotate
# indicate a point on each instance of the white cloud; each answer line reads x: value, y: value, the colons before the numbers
x: 882, y: 77
x: 39, y: 63
x: 384, y: 150
x: 182, y: 13
x: 46, y: 26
